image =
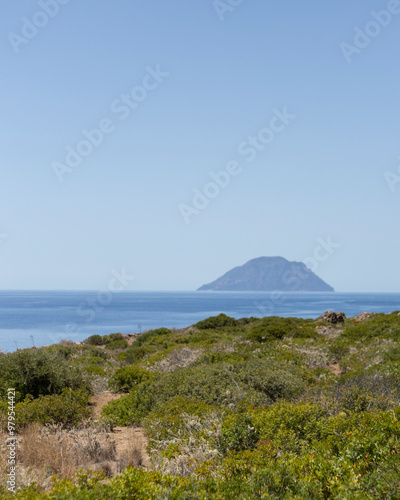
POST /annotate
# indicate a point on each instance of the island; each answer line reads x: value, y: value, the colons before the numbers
x: 268, y: 274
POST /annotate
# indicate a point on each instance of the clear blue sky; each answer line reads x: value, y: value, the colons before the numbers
x: 205, y: 83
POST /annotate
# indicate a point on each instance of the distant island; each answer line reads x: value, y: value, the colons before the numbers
x: 268, y: 274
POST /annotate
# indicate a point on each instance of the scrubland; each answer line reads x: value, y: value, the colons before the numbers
x: 280, y: 408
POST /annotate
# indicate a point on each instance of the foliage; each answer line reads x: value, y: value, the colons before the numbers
x: 134, y: 353
x: 166, y: 420
x: 68, y: 408
x: 38, y: 372
x: 273, y: 327
x: 129, y: 409
x: 281, y: 408
x: 97, y: 340
x: 117, y: 344
x: 151, y: 335
x: 127, y: 377
x: 379, y: 325
x: 238, y: 433
x: 219, y: 321
x: 259, y: 381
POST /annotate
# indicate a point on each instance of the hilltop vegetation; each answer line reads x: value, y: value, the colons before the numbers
x: 251, y: 408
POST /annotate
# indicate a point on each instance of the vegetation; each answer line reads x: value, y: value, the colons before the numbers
x: 38, y: 372
x: 280, y: 408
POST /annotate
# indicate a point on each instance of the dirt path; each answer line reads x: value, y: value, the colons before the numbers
x: 130, y: 442
x: 335, y: 368
x: 100, y: 400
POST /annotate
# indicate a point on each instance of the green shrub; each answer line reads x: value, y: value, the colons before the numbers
x: 150, y: 335
x: 238, y: 433
x: 134, y: 353
x: 68, y: 408
x: 113, y: 337
x: 169, y: 421
x: 291, y: 426
x: 217, y: 322
x: 103, y: 339
x: 364, y: 392
x: 130, y: 409
x: 270, y: 380
x: 38, y: 372
x: 377, y: 326
x: 339, y: 350
x: 94, y: 340
x: 117, y: 344
x: 95, y: 370
x: 65, y: 351
x: 127, y: 377
x: 259, y: 381
x: 270, y: 328
x: 211, y: 385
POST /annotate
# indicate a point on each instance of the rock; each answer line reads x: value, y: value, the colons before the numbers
x: 333, y: 317
x: 328, y: 331
x: 362, y: 317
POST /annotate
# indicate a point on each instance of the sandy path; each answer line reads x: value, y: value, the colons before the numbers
x: 130, y: 442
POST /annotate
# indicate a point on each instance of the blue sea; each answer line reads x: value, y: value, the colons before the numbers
x: 36, y: 318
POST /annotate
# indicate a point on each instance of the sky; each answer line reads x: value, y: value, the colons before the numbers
x: 168, y: 142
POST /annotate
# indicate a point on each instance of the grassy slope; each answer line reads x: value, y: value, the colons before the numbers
x: 270, y: 408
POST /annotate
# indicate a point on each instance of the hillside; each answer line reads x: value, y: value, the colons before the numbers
x: 252, y: 408
x: 270, y: 274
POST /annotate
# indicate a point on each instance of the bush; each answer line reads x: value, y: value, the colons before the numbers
x: 273, y: 327
x: 94, y: 340
x: 217, y: 322
x: 238, y: 433
x: 129, y: 409
x: 360, y: 393
x: 152, y: 335
x: 377, y: 326
x: 127, y: 377
x: 113, y: 337
x: 117, y: 344
x: 211, y: 385
x: 104, y: 339
x: 39, y: 372
x: 68, y: 408
x: 134, y: 353
x: 291, y: 426
x: 259, y: 381
x: 170, y: 420
x: 270, y: 380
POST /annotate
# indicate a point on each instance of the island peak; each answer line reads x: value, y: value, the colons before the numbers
x: 270, y: 274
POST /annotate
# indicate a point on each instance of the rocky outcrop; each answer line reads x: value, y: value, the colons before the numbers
x: 333, y: 317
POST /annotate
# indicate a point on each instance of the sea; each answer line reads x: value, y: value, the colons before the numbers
x: 37, y: 318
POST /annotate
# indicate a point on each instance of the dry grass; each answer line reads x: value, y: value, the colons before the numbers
x: 179, y: 358
x: 45, y: 451
x: 67, y: 342
x: 133, y: 453
x: 194, y: 448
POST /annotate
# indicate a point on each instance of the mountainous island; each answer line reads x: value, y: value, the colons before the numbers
x: 267, y: 274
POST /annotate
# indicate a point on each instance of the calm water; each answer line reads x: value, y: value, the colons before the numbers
x: 43, y: 318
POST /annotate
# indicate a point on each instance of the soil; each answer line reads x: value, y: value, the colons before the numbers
x: 125, y: 438
x: 335, y: 368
